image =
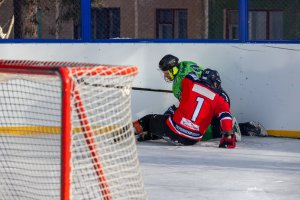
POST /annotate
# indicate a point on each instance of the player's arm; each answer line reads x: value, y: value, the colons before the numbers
x: 228, y: 139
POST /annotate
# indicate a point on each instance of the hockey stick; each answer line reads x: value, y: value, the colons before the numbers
x: 82, y: 81
x: 151, y: 90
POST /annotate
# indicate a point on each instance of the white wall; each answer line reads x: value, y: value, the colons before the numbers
x: 263, y: 80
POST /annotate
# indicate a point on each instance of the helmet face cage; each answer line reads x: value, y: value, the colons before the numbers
x: 211, y: 77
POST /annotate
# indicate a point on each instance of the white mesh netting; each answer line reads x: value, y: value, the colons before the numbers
x: 104, y: 162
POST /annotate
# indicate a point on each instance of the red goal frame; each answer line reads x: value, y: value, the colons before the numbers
x: 65, y: 70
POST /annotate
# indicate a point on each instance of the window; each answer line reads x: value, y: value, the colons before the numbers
x: 171, y: 23
x: 232, y: 25
x: 105, y: 23
x: 263, y: 25
x: 276, y: 25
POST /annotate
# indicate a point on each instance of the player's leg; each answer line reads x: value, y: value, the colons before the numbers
x: 252, y: 128
x: 155, y: 127
x: 141, y: 134
x: 159, y: 128
x: 215, y: 131
x: 208, y: 134
x: 141, y: 128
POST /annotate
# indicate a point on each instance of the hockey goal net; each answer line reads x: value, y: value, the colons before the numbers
x: 66, y: 132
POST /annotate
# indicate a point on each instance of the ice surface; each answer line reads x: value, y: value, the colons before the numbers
x: 258, y: 169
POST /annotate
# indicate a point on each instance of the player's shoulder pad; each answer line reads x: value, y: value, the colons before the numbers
x: 193, y: 77
x: 186, y: 62
x: 222, y: 94
x: 225, y: 96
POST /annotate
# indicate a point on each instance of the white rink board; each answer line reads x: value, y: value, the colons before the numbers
x: 262, y: 80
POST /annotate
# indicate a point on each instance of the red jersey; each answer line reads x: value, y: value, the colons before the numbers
x: 198, y: 105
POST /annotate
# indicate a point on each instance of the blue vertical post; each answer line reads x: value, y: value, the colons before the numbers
x: 86, y: 20
x: 243, y: 20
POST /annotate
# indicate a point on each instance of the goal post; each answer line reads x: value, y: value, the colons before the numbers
x: 66, y: 131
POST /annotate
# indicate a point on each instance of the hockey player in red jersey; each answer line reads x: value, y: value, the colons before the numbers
x: 201, y: 101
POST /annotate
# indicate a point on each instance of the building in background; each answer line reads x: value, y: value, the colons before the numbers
x: 267, y: 20
x: 150, y: 19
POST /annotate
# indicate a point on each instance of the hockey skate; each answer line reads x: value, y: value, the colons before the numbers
x: 236, y: 130
x: 253, y: 128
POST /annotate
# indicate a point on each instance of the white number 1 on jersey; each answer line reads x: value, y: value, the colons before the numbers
x: 198, y: 108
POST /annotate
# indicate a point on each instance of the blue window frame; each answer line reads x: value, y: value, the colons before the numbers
x: 172, y: 26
